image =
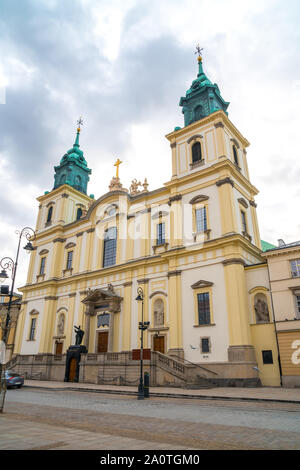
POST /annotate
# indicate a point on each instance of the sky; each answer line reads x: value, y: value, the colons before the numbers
x: 123, y: 66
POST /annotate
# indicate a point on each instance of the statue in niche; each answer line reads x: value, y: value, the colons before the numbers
x: 261, y: 310
x: 61, y: 324
x: 158, y: 312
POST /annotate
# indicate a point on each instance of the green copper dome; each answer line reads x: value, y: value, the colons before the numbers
x: 202, y: 98
x: 73, y: 169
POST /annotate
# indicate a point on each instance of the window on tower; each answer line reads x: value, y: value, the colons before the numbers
x: 77, y: 184
x: 62, y: 179
x: 160, y: 234
x: 49, y: 215
x: 110, y: 247
x: 69, y: 260
x: 236, y: 161
x: 79, y: 213
x: 42, y: 265
x: 196, y: 152
x: 244, y: 222
x: 201, y: 220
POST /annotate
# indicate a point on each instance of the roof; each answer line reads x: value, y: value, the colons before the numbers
x: 269, y: 247
x: 266, y: 246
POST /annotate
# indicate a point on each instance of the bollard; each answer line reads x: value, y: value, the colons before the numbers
x: 146, y: 385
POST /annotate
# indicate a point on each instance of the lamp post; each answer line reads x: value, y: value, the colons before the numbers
x: 8, y: 264
x: 143, y: 325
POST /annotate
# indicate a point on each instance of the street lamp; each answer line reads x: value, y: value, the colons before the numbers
x: 8, y: 264
x: 143, y: 325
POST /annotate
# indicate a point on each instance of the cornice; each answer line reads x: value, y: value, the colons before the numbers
x: 229, y: 261
x: 177, y: 272
x: 281, y: 251
x: 64, y: 189
x: 217, y: 116
x: 212, y: 170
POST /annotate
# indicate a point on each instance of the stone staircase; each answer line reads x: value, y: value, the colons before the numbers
x: 190, y: 375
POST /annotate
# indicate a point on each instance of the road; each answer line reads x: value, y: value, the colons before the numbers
x: 42, y: 419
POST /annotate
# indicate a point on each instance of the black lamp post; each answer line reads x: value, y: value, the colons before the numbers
x: 143, y: 325
x: 8, y: 264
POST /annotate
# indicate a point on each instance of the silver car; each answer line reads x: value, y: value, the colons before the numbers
x: 13, y: 379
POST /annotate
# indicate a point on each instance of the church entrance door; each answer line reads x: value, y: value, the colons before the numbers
x: 72, y: 372
x: 159, y: 344
x: 102, y: 341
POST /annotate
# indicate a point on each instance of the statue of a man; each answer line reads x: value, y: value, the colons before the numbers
x: 79, y: 334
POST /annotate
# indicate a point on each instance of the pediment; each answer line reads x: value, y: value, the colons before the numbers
x: 100, y: 295
x: 199, y: 198
x: 201, y: 283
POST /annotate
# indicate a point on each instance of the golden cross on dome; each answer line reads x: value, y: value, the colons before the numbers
x: 117, y: 164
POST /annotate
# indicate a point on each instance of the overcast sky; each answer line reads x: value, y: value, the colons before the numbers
x: 123, y: 66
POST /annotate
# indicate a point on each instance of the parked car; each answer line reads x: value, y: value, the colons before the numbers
x: 13, y: 379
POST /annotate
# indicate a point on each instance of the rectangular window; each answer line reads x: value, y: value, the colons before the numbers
x: 244, y: 221
x: 203, y: 308
x: 267, y: 357
x: 201, y: 220
x: 298, y: 306
x: 205, y: 345
x: 2, y: 299
x: 32, y: 329
x: 42, y: 267
x: 69, y: 260
x: 160, y: 238
x: 295, y: 267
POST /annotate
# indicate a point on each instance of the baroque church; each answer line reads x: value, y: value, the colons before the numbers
x: 192, y: 245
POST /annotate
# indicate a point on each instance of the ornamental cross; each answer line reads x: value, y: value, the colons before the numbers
x: 199, y: 50
x: 80, y: 121
x: 117, y: 164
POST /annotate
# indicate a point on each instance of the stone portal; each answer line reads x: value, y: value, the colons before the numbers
x: 104, y: 303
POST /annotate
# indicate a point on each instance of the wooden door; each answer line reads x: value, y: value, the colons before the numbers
x: 102, y: 342
x: 72, y: 372
x: 58, y: 348
x: 159, y: 344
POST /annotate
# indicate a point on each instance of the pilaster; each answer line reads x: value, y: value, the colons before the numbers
x: 126, y: 329
x: 175, y: 311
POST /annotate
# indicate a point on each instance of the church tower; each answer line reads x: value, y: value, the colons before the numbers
x: 209, y: 163
x: 202, y: 98
x: 73, y: 169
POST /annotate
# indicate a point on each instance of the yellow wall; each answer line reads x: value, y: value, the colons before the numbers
x: 264, y: 339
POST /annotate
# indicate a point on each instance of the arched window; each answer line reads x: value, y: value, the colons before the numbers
x: 79, y: 213
x: 236, y: 161
x: 62, y: 179
x: 198, y: 113
x: 49, y: 215
x: 110, y: 247
x: 196, y: 152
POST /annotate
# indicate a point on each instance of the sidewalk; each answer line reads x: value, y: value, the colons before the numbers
x: 273, y: 394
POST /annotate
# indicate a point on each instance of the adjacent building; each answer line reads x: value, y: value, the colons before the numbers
x: 284, y: 272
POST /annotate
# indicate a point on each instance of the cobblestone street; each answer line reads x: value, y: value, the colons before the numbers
x: 49, y: 419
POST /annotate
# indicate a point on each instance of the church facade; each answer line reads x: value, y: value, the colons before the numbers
x: 192, y: 245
